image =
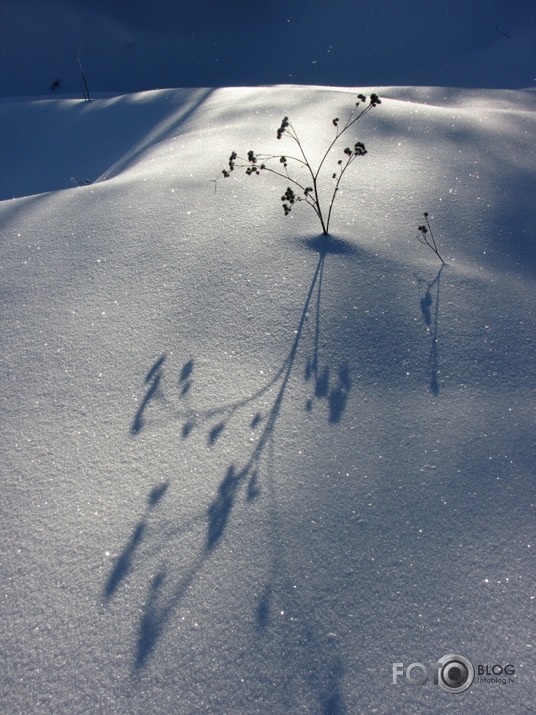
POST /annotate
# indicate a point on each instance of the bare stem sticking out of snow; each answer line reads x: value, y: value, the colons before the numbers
x: 426, y: 237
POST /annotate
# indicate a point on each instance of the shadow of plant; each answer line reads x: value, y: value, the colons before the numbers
x: 152, y: 379
x: 430, y: 315
x: 124, y: 561
x: 164, y: 592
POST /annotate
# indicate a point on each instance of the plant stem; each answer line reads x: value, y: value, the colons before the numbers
x: 314, y: 177
x: 87, y: 98
x: 349, y: 123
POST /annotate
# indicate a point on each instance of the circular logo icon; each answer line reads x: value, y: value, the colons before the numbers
x: 455, y: 673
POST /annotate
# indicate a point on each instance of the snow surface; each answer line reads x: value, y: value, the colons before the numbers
x: 141, y: 45
x: 246, y: 468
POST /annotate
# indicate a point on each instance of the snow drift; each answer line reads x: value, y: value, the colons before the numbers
x: 245, y: 468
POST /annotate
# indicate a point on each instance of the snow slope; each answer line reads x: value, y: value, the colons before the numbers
x: 246, y: 469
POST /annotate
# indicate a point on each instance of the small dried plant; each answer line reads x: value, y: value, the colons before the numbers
x: 282, y: 164
x: 426, y: 237
x: 87, y: 98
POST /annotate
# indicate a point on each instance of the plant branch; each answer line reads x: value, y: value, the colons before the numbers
x: 255, y: 163
x: 426, y: 237
x: 87, y: 98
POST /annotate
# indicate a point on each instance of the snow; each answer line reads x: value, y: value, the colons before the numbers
x: 134, y: 46
x: 247, y: 468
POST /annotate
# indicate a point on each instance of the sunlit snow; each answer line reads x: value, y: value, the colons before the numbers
x: 246, y: 467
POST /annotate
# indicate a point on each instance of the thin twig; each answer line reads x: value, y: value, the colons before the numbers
x: 426, y: 237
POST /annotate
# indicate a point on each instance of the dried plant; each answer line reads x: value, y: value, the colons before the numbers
x: 282, y: 164
x: 426, y: 237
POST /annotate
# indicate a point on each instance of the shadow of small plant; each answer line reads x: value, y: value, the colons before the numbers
x: 164, y: 593
x: 430, y: 314
x: 152, y: 379
x: 124, y: 561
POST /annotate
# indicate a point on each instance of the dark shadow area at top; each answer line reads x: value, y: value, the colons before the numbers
x: 430, y: 314
x: 241, y: 479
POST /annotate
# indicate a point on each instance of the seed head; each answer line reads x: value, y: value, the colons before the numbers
x: 284, y: 125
